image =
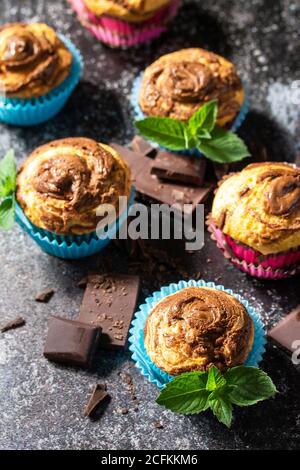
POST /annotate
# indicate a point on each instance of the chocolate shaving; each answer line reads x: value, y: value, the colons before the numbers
x: 98, y: 397
x: 13, y: 324
x: 45, y: 295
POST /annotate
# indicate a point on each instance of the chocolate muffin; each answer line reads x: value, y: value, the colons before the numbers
x: 33, y: 60
x: 198, y: 327
x: 178, y: 84
x: 61, y: 184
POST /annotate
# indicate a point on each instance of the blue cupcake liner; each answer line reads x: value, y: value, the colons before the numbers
x: 191, y: 152
x: 30, y: 112
x: 71, y: 246
x: 136, y: 338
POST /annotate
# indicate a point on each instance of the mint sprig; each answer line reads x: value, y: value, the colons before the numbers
x: 200, y: 131
x: 194, y: 392
x: 8, y: 181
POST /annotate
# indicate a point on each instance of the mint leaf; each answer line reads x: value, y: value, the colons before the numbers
x: 7, y: 213
x: 224, y: 147
x: 203, y: 134
x: 221, y: 408
x: 167, y: 132
x: 204, y: 118
x: 8, y: 174
x: 215, y: 379
x: 251, y: 385
x: 186, y: 394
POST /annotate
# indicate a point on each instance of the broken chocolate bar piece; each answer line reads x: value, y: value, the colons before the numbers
x: 99, y: 395
x: 13, y: 324
x: 179, y: 168
x: 164, y: 192
x: 71, y: 342
x: 109, y: 302
x: 185, y: 197
x: 287, y: 332
x: 140, y: 145
x: 136, y: 161
x: 45, y: 295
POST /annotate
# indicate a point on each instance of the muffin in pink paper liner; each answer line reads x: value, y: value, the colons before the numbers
x: 255, y: 219
x: 116, y: 32
x: 263, y: 270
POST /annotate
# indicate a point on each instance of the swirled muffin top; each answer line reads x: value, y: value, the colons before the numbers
x: 198, y: 327
x: 61, y: 184
x: 260, y: 207
x: 130, y: 10
x: 33, y: 60
x: 178, y: 84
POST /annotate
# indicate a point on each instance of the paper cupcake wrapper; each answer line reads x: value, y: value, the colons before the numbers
x: 71, y: 246
x: 136, y: 339
x: 138, y: 114
x: 30, y: 112
x: 119, y: 33
x: 281, y: 266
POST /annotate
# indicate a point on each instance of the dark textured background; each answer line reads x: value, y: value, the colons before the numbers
x: 41, y: 404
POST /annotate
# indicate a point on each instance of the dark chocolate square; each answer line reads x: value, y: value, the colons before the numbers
x: 109, y: 301
x: 71, y: 342
x: 287, y: 331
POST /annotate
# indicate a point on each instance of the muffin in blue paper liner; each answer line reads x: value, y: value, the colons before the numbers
x: 71, y: 246
x: 136, y: 339
x: 139, y: 115
x: 59, y: 189
x: 31, y: 111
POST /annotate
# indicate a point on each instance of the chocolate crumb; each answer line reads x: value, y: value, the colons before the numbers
x: 82, y: 283
x: 99, y: 395
x: 123, y: 411
x: 11, y: 325
x: 45, y: 295
x: 158, y: 425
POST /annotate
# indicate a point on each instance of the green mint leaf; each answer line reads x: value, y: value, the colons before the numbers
x: 167, y: 132
x: 221, y: 408
x: 8, y: 174
x: 224, y: 147
x: 7, y: 213
x: 186, y: 394
x: 251, y: 385
x: 215, y: 379
x: 204, y: 118
x: 203, y: 134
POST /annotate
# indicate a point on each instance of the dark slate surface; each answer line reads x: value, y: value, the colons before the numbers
x: 42, y: 404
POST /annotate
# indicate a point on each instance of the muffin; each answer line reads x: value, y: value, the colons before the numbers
x: 61, y: 185
x: 178, y: 84
x: 255, y: 219
x: 125, y: 22
x: 38, y: 72
x: 197, y: 327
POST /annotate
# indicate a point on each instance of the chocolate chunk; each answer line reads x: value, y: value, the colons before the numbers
x: 221, y: 170
x: 82, y: 283
x: 140, y: 145
x: 168, y: 193
x: 45, y: 295
x: 11, y: 325
x: 287, y: 331
x: 135, y: 160
x: 99, y: 396
x: 158, y: 425
x: 179, y: 168
x: 71, y: 342
x: 171, y: 193
x: 109, y: 301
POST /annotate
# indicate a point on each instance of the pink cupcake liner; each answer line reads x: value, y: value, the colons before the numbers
x: 119, y: 33
x: 274, y: 267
